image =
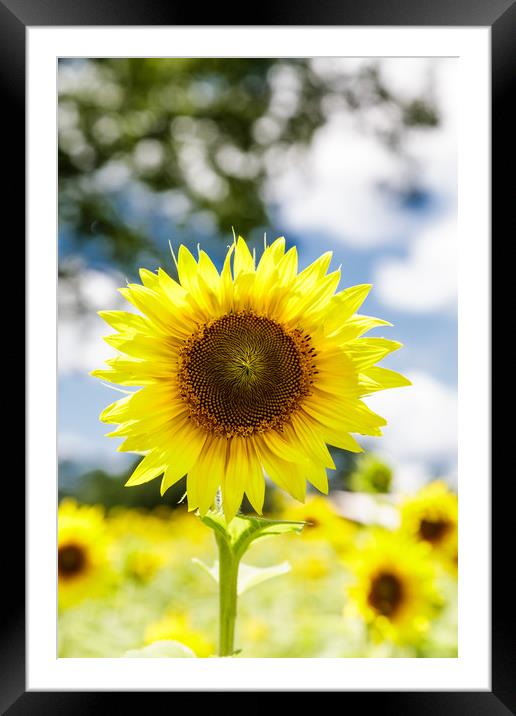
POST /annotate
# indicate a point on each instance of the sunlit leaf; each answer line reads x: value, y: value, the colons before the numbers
x: 243, y: 530
x: 248, y: 575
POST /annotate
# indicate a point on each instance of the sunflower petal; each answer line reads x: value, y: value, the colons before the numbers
x: 377, y: 378
x: 255, y: 485
x: 186, y: 268
x: 209, y: 470
x: 345, y: 304
x: 287, y: 475
x: 150, y: 467
x: 184, y: 447
x: 318, y: 477
x: 233, y: 485
x: 243, y: 261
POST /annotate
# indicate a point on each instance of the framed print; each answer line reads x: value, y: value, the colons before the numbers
x: 259, y: 307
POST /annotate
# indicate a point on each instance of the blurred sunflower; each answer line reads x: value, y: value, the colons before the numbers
x: 431, y: 516
x: 323, y: 522
x: 314, y: 565
x: 394, y: 588
x: 256, y: 368
x: 82, y: 557
x: 255, y: 629
x: 142, y: 564
x: 176, y: 627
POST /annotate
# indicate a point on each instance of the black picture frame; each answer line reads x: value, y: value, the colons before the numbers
x: 500, y: 16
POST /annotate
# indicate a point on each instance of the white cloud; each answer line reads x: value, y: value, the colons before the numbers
x: 80, y: 345
x: 339, y: 191
x: 421, y: 430
x: 409, y: 476
x: 426, y: 279
x: 80, y: 332
x: 98, y: 452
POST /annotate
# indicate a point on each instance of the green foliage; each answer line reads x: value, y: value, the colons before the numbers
x: 202, y: 134
x: 243, y: 530
x: 371, y: 475
x: 248, y: 576
x: 101, y: 487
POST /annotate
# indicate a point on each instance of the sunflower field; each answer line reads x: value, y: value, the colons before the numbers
x: 132, y: 579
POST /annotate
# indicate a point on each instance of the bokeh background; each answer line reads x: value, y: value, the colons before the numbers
x: 356, y: 156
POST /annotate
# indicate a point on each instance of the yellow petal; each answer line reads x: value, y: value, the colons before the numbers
x: 306, y: 301
x: 312, y: 273
x: 123, y: 321
x: 275, y: 250
x: 150, y: 467
x: 317, y: 476
x: 140, y: 346
x: 186, y: 443
x: 365, y: 352
x: 233, y: 485
x: 342, y: 440
x: 255, y: 485
x: 269, y: 260
x: 377, y: 378
x: 286, y: 475
x: 287, y: 268
x: 150, y: 303
x: 281, y: 447
x: 209, y: 471
x: 357, y: 325
x: 186, y: 268
x: 227, y: 280
x: 173, y: 290
x: 244, y: 261
x: 148, y: 278
x: 341, y: 414
x: 192, y: 490
x: 311, y: 441
x: 344, y: 305
x: 208, y: 271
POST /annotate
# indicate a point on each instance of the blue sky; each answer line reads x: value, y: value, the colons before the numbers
x: 335, y: 199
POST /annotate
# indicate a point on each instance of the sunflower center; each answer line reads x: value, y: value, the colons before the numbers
x: 385, y: 594
x: 71, y: 560
x: 433, y: 530
x: 243, y: 373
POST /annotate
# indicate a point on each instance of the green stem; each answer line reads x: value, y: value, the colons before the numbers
x: 228, y: 579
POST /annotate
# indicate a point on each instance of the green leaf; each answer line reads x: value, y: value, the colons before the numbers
x: 212, y: 571
x: 248, y: 576
x: 243, y: 530
x: 164, y: 649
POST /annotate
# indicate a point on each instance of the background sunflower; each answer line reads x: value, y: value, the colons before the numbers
x: 83, y: 565
x: 431, y: 516
x: 394, y: 587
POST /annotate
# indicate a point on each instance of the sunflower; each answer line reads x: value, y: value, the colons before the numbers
x: 394, y: 587
x: 82, y: 557
x: 431, y: 516
x: 254, y: 369
x: 323, y: 522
